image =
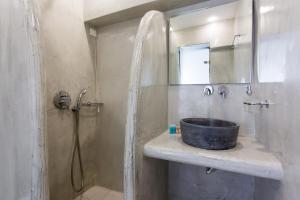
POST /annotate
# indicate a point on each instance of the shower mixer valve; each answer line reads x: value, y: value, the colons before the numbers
x: 62, y: 100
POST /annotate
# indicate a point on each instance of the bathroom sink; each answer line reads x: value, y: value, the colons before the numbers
x: 206, y: 133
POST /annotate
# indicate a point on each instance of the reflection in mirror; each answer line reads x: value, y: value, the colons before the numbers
x: 271, y: 45
x: 194, y: 64
x: 212, y: 46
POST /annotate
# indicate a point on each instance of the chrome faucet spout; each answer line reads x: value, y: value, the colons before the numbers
x: 208, y: 90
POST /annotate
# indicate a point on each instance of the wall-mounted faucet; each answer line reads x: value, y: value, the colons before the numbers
x: 249, y: 90
x: 209, y: 170
x: 208, y: 90
x: 223, y: 91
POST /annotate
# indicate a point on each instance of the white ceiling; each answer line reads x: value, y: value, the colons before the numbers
x: 201, y: 17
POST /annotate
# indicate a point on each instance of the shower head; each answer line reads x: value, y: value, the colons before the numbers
x: 78, y: 104
x: 236, y: 41
x: 84, y: 91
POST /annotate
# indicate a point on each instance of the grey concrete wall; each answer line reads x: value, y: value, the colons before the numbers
x: 188, y: 182
x: 278, y: 127
x: 114, y: 54
x: 21, y: 117
x: 67, y: 55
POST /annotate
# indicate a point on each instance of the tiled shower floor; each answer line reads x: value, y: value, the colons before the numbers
x: 100, y: 193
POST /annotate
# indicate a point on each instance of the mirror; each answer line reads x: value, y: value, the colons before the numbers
x: 212, y: 46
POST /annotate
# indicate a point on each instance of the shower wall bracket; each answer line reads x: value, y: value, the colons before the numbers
x: 95, y: 104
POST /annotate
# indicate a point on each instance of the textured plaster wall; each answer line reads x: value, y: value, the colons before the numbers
x: 21, y: 119
x: 147, y: 110
x: 278, y: 127
x: 114, y: 54
x: 67, y: 54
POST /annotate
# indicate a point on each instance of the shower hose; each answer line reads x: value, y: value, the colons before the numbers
x: 76, y: 151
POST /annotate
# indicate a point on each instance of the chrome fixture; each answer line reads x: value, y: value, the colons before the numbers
x: 249, y: 90
x: 76, y: 146
x: 78, y: 103
x: 62, y: 100
x: 223, y: 91
x: 208, y: 90
x: 234, y: 44
x: 209, y: 170
x: 91, y: 104
x: 261, y: 104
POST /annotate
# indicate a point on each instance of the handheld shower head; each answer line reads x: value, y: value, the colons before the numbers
x: 78, y: 103
x: 84, y: 91
x: 76, y: 146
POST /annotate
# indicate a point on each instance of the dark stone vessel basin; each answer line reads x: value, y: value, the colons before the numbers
x: 206, y: 133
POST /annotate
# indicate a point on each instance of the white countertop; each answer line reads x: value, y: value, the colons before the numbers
x: 248, y: 157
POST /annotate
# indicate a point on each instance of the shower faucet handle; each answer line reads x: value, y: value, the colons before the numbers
x: 62, y: 100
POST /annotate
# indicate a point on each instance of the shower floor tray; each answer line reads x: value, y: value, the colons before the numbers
x: 100, y: 193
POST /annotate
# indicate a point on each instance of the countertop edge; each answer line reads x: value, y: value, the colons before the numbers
x: 272, y: 172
